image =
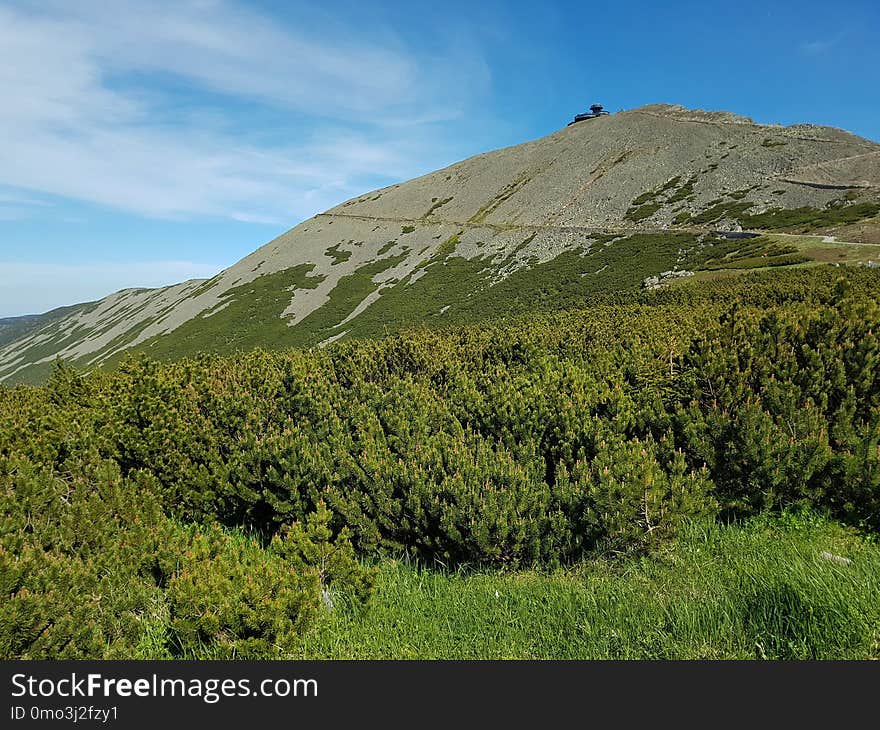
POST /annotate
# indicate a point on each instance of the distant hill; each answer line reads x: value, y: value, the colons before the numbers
x: 604, y: 205
x: 11, y: 328
x: 15, y: 328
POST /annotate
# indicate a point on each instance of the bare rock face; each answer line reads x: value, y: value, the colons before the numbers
x: 589, y: 174
x: 658, y: 168
x: 676, y: 111
x: 664, y: 277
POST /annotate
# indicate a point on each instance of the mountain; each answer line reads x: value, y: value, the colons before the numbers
x: 13, y: 328
x: 606, y: 204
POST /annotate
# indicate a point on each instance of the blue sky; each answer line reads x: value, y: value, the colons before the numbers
x: 142, y: 143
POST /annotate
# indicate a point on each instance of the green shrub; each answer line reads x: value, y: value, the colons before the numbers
x: 230, y: 599
x: 810, y: 218
x: 625, y: 497
x: 82, y: 559
x: 525, y: 441
x: 642, y: 212
x: 312, y: 547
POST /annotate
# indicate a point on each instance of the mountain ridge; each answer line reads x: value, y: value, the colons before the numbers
x: 641, y: 190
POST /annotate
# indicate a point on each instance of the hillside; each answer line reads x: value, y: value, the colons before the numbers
x: 12, y: 328
x: 594, y: 208
x: 15, y: 328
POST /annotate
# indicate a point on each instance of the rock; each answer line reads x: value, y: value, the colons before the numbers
x: 839, y: 559
x: 327, y: 598
x: 655, y: 282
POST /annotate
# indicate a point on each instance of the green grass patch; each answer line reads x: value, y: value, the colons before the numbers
x: 644, y: 198
x: 656, y: 192
x: 682, y: 217
x: 205, y: 286
x: 504, y: 194
x: 759, y: 591
x: 751, y: 253
x: 520, y: 246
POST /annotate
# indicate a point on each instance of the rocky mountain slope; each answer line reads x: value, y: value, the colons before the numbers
x: 601, y: 205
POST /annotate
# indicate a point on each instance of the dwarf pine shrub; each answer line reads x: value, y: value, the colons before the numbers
x: 140, y: 506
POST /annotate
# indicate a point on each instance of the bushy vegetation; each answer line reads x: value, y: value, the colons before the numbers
x: 648, y: 203
x: 212, y: 506
x: 749, y: 254
x: 435, y: 205
x: 807, y: 219
x: 642, y: 212
x: 470, y: 287
x: 725, y: 210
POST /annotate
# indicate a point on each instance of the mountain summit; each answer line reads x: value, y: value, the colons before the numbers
x: 600, y: 205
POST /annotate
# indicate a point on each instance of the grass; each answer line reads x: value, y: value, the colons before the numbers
x: 682, y: 217
x: 644, y: 198
x: 652, y: 194
x: 726, y: 259
x: 522, y: 244
x: 758, y: 262
x: 646, y: 204
x: 750, y: 254
x: 754, y: 591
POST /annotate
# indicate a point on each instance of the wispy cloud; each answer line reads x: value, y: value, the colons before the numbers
x: 821, y: 46
x: 30, y: 288
x: 16, y: 205
x: 92, y: 107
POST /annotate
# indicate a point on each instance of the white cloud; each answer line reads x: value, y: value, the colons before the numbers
x: 819, y: 47
x: 32, y: 288
x: 85, y: 118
